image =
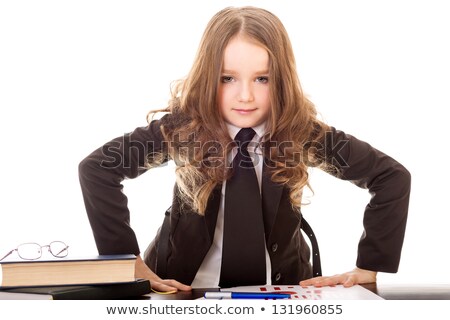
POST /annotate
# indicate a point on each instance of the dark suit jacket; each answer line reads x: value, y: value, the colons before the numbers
x: 191, y: 235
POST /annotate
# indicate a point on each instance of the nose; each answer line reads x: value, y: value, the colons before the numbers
x: 246, y: 93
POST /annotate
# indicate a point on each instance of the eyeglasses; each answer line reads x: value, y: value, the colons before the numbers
x: 33, y: 251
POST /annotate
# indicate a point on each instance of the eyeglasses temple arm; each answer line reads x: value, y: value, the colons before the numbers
x: 64, y: 249
x: 8, y: 254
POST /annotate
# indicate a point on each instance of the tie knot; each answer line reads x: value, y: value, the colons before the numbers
x: 244, y: 136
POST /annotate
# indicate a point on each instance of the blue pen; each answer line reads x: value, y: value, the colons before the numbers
x: 245, y: 295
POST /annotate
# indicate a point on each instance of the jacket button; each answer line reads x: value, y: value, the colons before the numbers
x: 277, y: 277
x: 274, y: 247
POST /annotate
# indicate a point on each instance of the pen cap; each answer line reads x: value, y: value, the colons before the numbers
x: 217, y: 295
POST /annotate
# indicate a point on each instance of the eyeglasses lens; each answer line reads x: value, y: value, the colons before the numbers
x: 29, y: 251
x: 59, y: 249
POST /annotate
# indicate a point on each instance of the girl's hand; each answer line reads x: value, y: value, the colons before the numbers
x: 142, y: 271
x: 348, y: 279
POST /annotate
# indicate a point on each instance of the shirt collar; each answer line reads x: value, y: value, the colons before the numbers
x: 259, y: 129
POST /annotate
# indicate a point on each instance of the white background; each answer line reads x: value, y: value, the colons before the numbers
x: 75, y: 74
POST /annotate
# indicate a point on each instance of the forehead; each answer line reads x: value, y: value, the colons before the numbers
x: 243, y: 52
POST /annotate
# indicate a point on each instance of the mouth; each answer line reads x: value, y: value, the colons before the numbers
x: 244, y: 111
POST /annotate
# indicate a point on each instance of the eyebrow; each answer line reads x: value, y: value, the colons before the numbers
x: 234, y: 72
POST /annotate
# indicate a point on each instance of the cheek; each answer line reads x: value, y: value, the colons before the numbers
x: 224, y: 97
x: 221, y: 103
x: 264, y: 97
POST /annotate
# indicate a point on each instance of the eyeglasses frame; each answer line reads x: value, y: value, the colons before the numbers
x: 66, y: 247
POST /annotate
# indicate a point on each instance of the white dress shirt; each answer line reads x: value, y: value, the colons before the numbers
x: 208, y: 275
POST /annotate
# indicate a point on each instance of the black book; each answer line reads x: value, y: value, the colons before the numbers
x: 122, y: 290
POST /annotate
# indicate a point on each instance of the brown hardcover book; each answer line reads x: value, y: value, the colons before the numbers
x: 68, y: 271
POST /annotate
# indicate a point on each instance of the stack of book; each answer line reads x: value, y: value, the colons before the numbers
x: 97, y: 277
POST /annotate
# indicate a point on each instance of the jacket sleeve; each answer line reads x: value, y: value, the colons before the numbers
x: 101, y: 175
x: 388, y: 183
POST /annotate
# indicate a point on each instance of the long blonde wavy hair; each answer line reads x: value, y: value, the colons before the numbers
x: 199, y: 139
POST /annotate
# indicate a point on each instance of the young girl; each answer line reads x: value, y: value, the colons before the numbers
x: 244, y: 76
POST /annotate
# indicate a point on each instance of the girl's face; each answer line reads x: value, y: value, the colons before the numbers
x: 243, y: 92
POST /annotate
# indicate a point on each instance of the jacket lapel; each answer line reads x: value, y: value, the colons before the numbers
x: 271, y: 195
x: 212, y: 210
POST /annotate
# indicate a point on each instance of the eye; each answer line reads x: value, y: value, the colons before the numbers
x: 262, y: 79
x: 226, y: 79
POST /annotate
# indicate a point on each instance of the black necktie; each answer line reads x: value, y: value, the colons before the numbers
x: 243, y: 253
